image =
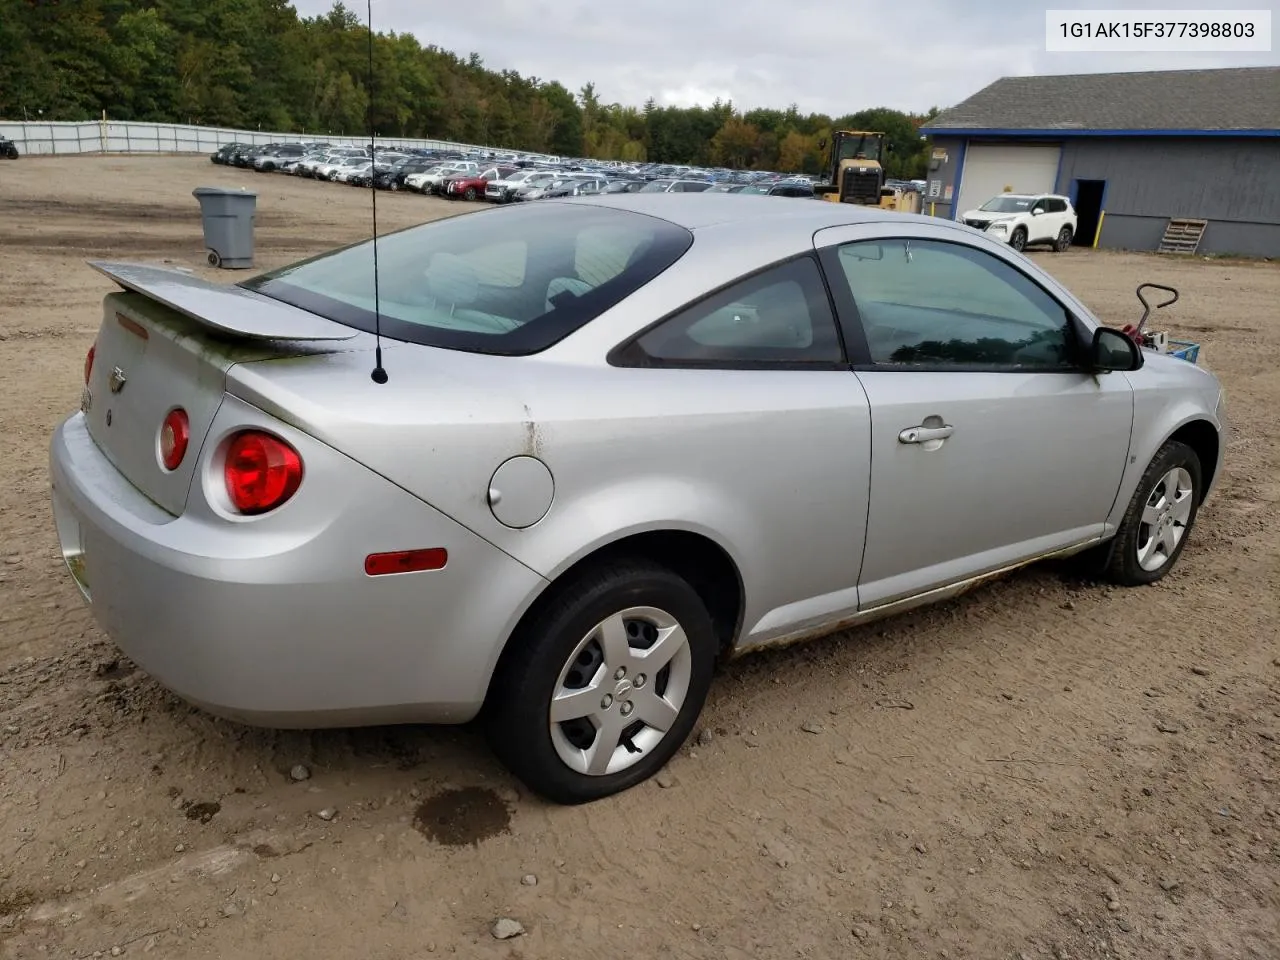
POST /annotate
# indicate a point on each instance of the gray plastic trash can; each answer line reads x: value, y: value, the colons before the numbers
x: 227, y: 217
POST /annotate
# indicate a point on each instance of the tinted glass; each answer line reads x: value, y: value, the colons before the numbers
x: 926, y: 302
x: 1006, y: 204
x: 781, y: 315
x: 508, y: 281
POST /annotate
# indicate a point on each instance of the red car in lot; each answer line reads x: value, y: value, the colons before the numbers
x: 471, y: 186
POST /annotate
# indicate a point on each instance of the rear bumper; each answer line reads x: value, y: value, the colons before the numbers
x: 272, y: 621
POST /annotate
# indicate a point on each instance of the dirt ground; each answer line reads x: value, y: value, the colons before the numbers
x: 1041, y: 769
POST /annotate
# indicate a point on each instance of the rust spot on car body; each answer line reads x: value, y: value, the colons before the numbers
x: 532, y: 435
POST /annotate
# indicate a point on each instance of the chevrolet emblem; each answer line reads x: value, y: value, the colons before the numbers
x: 117, y: 381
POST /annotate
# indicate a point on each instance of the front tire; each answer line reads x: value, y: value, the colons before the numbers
x: 1019, y: 239
x: 469, y: 193
x: 1160, y: 516
x: 604, y: 683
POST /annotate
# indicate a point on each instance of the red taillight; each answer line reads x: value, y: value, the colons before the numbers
x: 406, y: 561
x: 175, y: 432
x: 88, y: 363
x: 262, y: 472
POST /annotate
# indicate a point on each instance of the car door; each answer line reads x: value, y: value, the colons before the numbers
x: 1062, y: 213
x: 1042, y: 222
x: 991, y: 445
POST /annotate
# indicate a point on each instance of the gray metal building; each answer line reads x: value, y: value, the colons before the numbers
x: 1132, y: 150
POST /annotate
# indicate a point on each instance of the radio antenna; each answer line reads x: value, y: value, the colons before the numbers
x: 379, y: 374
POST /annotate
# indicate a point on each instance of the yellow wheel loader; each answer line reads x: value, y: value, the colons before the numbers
x: 855, y: 171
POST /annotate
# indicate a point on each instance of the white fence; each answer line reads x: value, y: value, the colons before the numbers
x: 112, y: 136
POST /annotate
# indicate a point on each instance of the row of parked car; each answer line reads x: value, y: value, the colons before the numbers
x: 496, y: 179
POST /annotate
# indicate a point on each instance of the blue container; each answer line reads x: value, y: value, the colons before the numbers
x: 1185, y: 350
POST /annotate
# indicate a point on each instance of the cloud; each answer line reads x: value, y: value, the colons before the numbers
x: 822, y: 55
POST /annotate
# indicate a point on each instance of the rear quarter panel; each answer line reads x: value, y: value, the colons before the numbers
x: 771, y: 465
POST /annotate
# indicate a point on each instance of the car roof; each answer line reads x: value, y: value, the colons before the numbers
x: 697, y: 211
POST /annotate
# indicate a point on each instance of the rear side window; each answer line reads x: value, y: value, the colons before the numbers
x: 779, y: 316
x: 507, y: 281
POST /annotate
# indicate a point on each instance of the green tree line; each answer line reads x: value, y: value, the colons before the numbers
x: 255, y: 64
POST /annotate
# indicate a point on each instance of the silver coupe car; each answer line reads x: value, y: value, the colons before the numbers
x: 606, y: 442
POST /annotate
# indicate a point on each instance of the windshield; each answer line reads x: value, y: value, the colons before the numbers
x: 1007, y: 204
x: 656, y: 186
x: 860, y: 147
x: 508, y: 281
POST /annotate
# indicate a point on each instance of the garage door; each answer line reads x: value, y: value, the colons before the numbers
x: 991, y: 168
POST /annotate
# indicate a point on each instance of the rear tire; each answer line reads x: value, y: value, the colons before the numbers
x: 619, y: 716
x: 1063, y: 243
x: 469, y: 193
x: 1159, y: 519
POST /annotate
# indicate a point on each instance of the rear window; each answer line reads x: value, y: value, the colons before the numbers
x: 509, y: 281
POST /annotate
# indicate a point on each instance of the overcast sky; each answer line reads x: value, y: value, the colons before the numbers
x: 832, y: 56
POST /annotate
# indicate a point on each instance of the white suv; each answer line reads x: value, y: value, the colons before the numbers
x: 1023, y: 218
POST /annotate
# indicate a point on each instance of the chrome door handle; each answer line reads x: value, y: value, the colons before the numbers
x: 923, y: 434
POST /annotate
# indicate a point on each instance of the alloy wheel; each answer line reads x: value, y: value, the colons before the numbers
x: 1164, y: 519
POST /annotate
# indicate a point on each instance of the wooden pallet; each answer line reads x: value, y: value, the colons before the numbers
x: 1182, y: 235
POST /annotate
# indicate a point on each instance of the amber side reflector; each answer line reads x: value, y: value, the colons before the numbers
x: 406, y: 561
x: 133, y: 326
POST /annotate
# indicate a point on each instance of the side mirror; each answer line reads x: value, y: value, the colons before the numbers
x: 1113, y: 350
x: 1036, y: 212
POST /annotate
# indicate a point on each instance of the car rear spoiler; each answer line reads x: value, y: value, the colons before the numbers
x: 225, y: 308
